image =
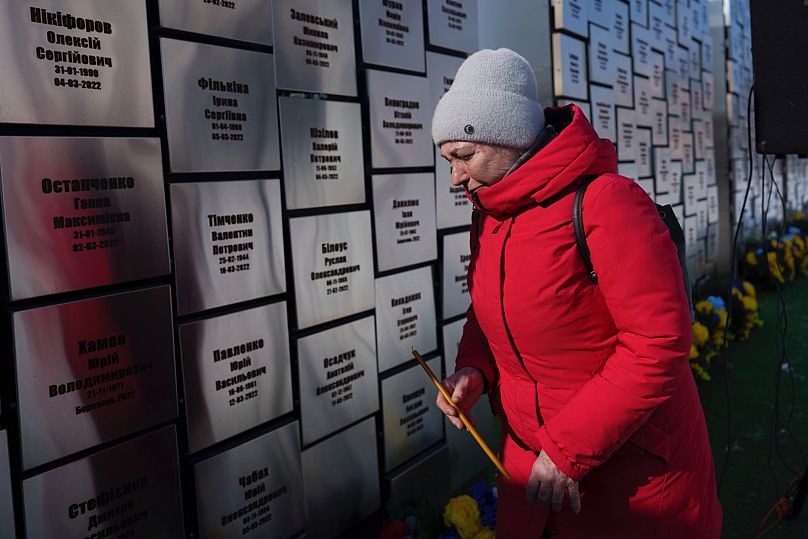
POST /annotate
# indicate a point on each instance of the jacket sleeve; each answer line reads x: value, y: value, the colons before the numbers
x: 641, y: 280
x: 474, y: 350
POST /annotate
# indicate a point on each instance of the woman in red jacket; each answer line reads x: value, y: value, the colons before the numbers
x: 601, y: 417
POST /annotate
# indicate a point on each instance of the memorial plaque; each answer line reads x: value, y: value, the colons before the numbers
x: 583, y: 105
x: 682, y: 64
x: 626, y: 135
x: 255, y: 488
x: 601, y: 13
x: 106, y: 369
x: 440, y: 71
x: 712, y: 242
x: 688, y: 166
x: 662, y: 170
x: 236, y: 371
x: 702, y: 180
x: 569, y: 66
x: 405, y: 316
x: 689, y: 181
x: 244, y: 20
x: 659, y: 129
x: 701, y: 219
x: 407, y: 484
x: 707, y: 53
x: 641, y: 49
x: 639, y: 11
x: 341, y: 481
x: 571, y: 15
x: 322, y: 153
x: 129, y: 490
x: 674, y: 194
x: 647, y: 185
x: 657, y: 76
x: 332, y: 257
x: 73, y: 62
x: 399, y: 120
x: 658, y: 17
x: 6, y: 505
x: 404, y: 219
x: 393, y: 33
x: 644, y: 167
x: 690, y: 233
x: 623, y: 81
x: 221, y: 112
x: 603, y: 112
x: 707, y: 90
x: 679, y: 211
x: 699, y: 139
x: 91, y: 214
x: 228, y: 242
x: 684, y: 26
x: 675, y: 128
x: 642, y: 102
x: 412, y: 420
x: 620, y: 26
x: 314, y: 46
x: 455, y: 268
x: 629, y: 169
x: 695, y: 62
x: 600, y: 56
x: 453, y: 24
x: 337, y: 374
x: 452, y: 333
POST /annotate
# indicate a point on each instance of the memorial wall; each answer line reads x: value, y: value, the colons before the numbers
x: 225, y: 228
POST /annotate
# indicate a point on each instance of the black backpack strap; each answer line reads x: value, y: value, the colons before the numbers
x: 678, y: 237
x: 578, y: 224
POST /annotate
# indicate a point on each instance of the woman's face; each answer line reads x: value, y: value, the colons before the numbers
x: 475, y: 165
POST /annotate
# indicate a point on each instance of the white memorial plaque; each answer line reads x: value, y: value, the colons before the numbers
x: 641, y: 39
x: 244, y: 20
x: 228, y: 242
x: 712, y: 204
x: 74, y: 62
x: 571, y: 15
x: 600, y: 55
x: 341, y: 481
x: 682, y: 64
x: 642, y: 102
x: 623, y: 81
x: 701, y: 219
x: 601, y: 12
x: 657, y: 76
x: 221, y: 111
x: 659, y: 111
x: 691, y: 236
x: 647, y: 185
x: 699, y: 139
x: 440, y: 71
x: 639, y: 11
x: 620, y: 26
x: 679, y: 211
x: 603, y: 112
x: 404, y: 219
x: 569, y: 66
x: 322, y: 153
x: 688, y: 163
x: 690, y: 190
x: 626, y: 135
x: 662, y: 170
x: 405, y: 316
x: 412, y: 420
x: 453, y: 24
x: 236, y: 371
x: 644, y: 152
x: 696, y: 99
x: 684, y: 25
x: 712, y: 242
x: 455, y: 267
x: 254, y: 488
x: 628, y: 169
x: 695, y: 61
x: 702, y: 180
x: 332, y: 257
x: 452, y: 333
x: 675, y: 128
x: 314, y: 46
x: 707, y: 90
x: 338, y: 377
x: 6, y: 505
x: 393, y: 33
x: 707, y: 53
x: 399, y: 120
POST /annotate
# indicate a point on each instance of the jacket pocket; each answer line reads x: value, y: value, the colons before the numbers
x: 654, y: 440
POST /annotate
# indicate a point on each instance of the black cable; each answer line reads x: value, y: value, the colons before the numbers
x: 734, y: 265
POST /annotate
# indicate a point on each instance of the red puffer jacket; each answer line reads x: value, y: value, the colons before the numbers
x: 597, y: 375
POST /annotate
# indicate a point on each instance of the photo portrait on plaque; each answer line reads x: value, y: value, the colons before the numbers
x: 393, y: 33
x: 244, y: 20
x: 255, y: 488
x: 405, y: 316
x: 455, y: 268
x: 323, y: 163
x: 338, y: 378
x: 412, y: 420
x: 400, y: 120
x: 93, y: 213
x: 345, y: 463
x: 404, y: 219
x: 453, y: 24
x: 106, y: 369
x: 236, y: 373
x: 221, y: 109
x: 228, y: 242
x: 332, y: 257
x: 74, y: 62
x: 130, y: 487
x: 314, y: 46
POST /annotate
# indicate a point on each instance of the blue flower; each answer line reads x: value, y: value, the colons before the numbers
x: 794, y: 230
x: 717, y: 302
x: 759, y: 251
x: 479, y: 490
x: 488, y: 515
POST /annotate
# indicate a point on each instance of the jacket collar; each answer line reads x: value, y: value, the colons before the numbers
x: 577, y: 151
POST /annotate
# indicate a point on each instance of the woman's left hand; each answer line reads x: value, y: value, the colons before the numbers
x: 548, y: 484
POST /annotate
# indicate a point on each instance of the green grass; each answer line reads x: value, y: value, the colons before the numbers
x: 748, y: 489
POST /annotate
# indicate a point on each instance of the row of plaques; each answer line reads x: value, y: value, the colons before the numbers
x: 69, y: 62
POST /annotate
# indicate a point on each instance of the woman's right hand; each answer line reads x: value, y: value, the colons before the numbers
x: 466, y: 386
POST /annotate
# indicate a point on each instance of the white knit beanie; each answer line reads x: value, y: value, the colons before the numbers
x: 493, y: 99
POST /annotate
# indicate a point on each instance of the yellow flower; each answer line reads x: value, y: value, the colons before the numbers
x: 699, y: 370
x: 722, y: 318
x: 700, y: 333
x: 750, y: 304
x: 774, y: 268
x: 751, y: 259
x: 462, y: 513
x: 748, y: 288
x: 799, y: 216
x: 694, y: 352
x: 718, y: 338
x: 485, y: 533
x: 704, y: 307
